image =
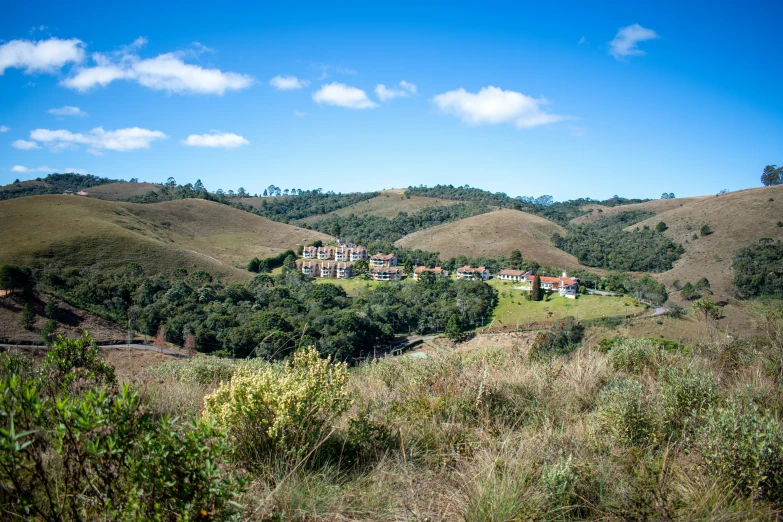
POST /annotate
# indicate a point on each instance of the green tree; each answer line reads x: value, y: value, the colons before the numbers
x: 427, y: 277
x: 706, y: 230
x: 47, y: 332
x: 336, y: 229
x: 515, y: 259
x: 27, y: 319
x: 51, y: 310
x: 253, y: 265
x: 289, y: 263
x: 408, y: 265
x: 689, y: 292
x: 535, y: 289
x: 453, y: 327
x: 661, y: 226
x: 772, y: 175
x: 361, y: 267
x: 14, y: 277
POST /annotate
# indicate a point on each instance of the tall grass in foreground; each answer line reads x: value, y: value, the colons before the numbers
x: 638, y: 431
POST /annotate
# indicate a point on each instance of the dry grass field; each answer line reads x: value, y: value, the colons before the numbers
x: 736, y: 219
x: 120, y: 191
x: 387, y: 205
x: 494, y: 234
x: 186, y: 233
x: 656, y: 205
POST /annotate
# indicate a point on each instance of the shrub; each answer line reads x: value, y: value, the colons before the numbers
x: 47, y: 331
x: 27, y: 317
x: 706, y: 230
x: 286, y: 407
x: 559, y: 340
x: 206, y: 370
x: 626, y: 414
x: 745, y: 447
x: 687, y: 395
x: 102, y: 456
x: 634, y: 355
x: 71, y: 360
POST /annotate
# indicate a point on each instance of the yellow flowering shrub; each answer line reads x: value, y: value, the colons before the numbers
x: 285, y: 407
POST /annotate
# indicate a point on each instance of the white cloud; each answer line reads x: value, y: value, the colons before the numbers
x: 343, y: 95
x: 626, y: 40
x: 494, y: 105
x: 3, y: 128
x: 166, y: 72
x: 98, y: 139
x: 225, y: 140
x: 68, y: 110
x: 24, y: 170
x: 300, y: 114
x: 43, y: 56
x: 73, y: 170
x: 405, y: 90
x: 287, y: 83
x: 25, y: 145
x: 582, y: 40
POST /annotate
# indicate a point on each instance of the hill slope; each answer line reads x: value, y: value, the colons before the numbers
x: 657, y: 206
x: 736, y: 219
x: 387, y: 205
x: 121, y: 190
x: 494, y: 234
x: 188, y: 233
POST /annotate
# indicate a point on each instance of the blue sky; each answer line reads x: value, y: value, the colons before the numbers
x: 577, y: 100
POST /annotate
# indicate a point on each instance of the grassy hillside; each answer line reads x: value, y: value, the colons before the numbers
x: 121, y: 190
x: 189, y: 233
x: 736, y: 219
x: 494, y: 234
x: 595, y: 212
x: 387, y: 205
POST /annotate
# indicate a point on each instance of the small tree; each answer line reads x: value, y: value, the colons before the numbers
x: 253, y: 265
x: 772, y: 175
x: 27, y: 319
x: 689, y: 292
x: 47, y: 332
x: 535, y: 289
x: 661, y: 226
x: 190, y: 345
x: 706, y: 230
x: 361, y: 267
x: 336, y: 229
x: 515, y: 259
x: 453, y: 327
x: 408, y: 265
x: 160, y: 338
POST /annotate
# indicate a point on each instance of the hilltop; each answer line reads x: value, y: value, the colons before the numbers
x: 121, y: 190
x: 736, y: 220
x: 191, y: 233
x: 494, y: 234
x: 595, y: 212
x: 388, y: 204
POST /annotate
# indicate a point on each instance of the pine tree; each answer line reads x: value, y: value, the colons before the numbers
x: 453, y: 328
x: 27, y: 319
x: 535, y: 290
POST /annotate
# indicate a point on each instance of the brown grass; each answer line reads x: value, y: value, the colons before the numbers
x: 119, y: 191
x: 193, y: 234
x: 494, y: 234
x: 387, y: 205
x: 736, y: 219
x: 657, y: 205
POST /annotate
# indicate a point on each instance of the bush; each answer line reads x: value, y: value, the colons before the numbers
x: 626, y: 414
x: 206, y: 370
x: 687, y: 394
x: 559, y: 340
x: 634, y: 355
x: 286, y: 407
x: 706, y: 230
x: 72, y: 360
x: 745, y: 447
x: 102, y: 456
x: 27, y: 318
x: 47, y: 332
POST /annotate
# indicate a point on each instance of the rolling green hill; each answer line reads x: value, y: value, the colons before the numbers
x: 79, y: 231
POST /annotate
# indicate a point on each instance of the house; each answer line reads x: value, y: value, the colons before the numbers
x: 563, y: 285
x: 344, y: 271
x: 309, y: 268
x: 386, y: 273
x: 357, y: 253
x: 516, y: 276
x: 438, y: 271
x: 310, y: 252
x: 342, y: 254
x: 469, y: 273
x: 325, y: 253
x: 383, y: 260
x: 328, y: 269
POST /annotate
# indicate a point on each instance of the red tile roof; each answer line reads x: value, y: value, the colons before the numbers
x: 470, y: 269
